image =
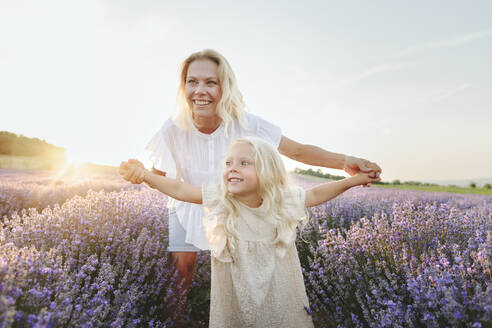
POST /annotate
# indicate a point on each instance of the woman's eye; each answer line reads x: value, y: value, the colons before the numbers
x: 244, y: 163
x: 212, y: 83
x: 191, y: 81
x: 228, y: 163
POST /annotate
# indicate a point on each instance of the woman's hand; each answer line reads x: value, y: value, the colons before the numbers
x: 354, y: 165
x: 132, y: 171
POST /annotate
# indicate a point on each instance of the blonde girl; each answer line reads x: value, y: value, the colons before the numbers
x: 251, y: 229
x: 210, y: 113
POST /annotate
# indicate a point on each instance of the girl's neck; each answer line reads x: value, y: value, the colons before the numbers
x: 253, y: 201
x: 206, y: 125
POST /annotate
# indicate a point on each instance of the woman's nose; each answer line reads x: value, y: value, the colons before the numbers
x: 200, y: 88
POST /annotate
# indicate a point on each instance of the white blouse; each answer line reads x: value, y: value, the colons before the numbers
x: 196, y: 158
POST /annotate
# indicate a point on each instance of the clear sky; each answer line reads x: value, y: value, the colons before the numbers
x: 405, y: 84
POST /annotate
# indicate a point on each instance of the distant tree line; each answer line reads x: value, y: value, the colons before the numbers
x: 485, y: 186
x: 319, y: 173
x: 18, y: 145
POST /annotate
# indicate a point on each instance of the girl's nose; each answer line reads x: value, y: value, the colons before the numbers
x: 233, y: 167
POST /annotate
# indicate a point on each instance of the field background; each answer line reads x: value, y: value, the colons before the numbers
x: 81, y: 247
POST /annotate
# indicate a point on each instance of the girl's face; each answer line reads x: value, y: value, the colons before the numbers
x: 239, y: 174
x: 202, y: 88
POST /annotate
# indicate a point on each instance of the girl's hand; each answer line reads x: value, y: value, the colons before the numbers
x: 132, y: 171
x: 364, y: 179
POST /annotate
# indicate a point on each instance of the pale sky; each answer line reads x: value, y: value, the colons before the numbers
x: 405, y: 84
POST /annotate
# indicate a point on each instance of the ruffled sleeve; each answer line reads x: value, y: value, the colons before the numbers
x: 265, y: 130
x: 294, y: 203
x: 160, y: 150
x: 213, y: 224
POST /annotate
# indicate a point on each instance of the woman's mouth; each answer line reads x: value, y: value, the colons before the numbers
x: 202, y: 102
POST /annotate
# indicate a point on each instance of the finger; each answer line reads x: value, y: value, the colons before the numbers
x: 130, y: 172
x: 364, y: 165
x: 374, y: 167
x: 122, y: 171
x: 134, y: 174
x: 142, y: 176
x: 135, y: 162
x: 124, y: 165
x: 127, y: 175
x: 138, y: 177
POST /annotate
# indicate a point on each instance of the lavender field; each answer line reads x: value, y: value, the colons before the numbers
x: 91, y: 252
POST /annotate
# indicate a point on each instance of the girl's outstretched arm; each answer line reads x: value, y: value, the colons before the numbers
x: 326, y: 191
x: 176, y: 189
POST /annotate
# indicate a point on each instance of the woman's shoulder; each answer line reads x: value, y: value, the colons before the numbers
x: 169, y: 128
x: 253, y: 119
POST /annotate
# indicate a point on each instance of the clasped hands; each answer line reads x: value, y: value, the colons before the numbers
x: 354, y: 165
x: 132, y: 171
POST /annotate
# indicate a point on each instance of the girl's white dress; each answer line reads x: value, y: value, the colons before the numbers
x: 260, y: 284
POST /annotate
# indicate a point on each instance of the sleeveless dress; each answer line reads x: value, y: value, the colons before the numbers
x: 260, y: 284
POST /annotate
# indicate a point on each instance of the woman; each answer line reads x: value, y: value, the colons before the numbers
x: 210, y: 113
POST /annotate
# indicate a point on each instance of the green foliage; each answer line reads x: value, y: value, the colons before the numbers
x: 473, y: 185
x: 487, y: 186
x: 318, y: 173
x: 18, y: 145
x: 452, y: 189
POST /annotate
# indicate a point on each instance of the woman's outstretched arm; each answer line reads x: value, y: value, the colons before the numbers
x: 313, y: 155
x: 176, y: 189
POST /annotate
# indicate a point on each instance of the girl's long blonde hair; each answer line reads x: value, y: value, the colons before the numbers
x: 231, y: 104
x: 274, y: 184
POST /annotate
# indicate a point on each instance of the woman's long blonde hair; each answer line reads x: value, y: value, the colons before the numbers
x: 274, y: 184
x: 231, y: 104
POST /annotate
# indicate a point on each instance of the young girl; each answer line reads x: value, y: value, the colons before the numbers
x: 251, y: 228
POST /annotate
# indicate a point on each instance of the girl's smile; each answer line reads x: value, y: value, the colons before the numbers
x: 239, y: 174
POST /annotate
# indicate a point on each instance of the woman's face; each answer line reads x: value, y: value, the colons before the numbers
x: 202, y: 87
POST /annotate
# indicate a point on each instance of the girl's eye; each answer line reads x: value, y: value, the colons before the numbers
x: 228, y: 163
x: 212, y: 83
x: 191, y: 81
x: 244, y: 163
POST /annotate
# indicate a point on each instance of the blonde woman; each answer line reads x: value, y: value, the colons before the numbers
x: 251, y: 229
x: 211, y: 113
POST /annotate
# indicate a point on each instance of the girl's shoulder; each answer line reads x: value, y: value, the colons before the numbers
x: 294, y: 197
